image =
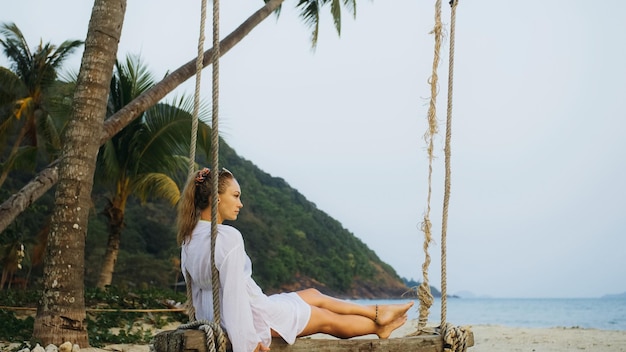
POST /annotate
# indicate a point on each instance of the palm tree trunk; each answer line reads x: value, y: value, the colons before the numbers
x: 61, y: 312
x: 37, y: 187
x: 115, y: 216
x: 110, y: 258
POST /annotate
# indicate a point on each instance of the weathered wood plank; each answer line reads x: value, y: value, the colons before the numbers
x: 430, y: 343
x: 194, y: 341
x: 186, y: 340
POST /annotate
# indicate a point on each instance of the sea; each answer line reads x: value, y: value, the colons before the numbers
x: 593, y: 313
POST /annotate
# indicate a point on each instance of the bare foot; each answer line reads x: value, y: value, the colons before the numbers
x: 389, y: 312
x: 385, y: 330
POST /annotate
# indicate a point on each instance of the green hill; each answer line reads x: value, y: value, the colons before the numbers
x: 291, y: 242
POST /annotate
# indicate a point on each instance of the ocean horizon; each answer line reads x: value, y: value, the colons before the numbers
x: 590, y: 313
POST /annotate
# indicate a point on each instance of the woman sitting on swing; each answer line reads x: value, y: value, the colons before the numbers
x: 249, y: 317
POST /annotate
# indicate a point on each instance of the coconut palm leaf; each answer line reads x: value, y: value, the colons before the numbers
x: 156, y: 185
x: 25, y: 92
x: 167, y: 132
x: 145, y: 157
x: 310, y: 13
x: 108, y: 166
x: 15, y: 47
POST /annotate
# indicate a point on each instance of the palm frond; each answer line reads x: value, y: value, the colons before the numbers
x: 15, y: 47
x: 156, y: 185
x: 27, y: 92
x: 167, y: 132
x: 351, y: 6
x: 151, y: 150
x: 335, y: 10
x: 23, y: 107
x: 69, y: 76
x: 181, y: 165
x: 134, y: 77
x: 11, y: 87
x: 63, y: 51
x: 108, y: 166
x: 310, y: 13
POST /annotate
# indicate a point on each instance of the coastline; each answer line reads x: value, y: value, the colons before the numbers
x: 487, y: 338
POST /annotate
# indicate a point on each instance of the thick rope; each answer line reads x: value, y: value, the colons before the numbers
x: 215, y: 337
x: 455, y: 338
x: 447, y: 153
x: 191, y: 310
x: 191, y: 313
x: 221, y: 340
x: 215, y: 157
x: 196, y: 97
x: 212, y: 330
x: 423, y: 292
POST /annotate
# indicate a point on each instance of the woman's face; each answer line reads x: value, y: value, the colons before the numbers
x: 229, y: 202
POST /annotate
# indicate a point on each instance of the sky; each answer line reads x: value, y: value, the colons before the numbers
x: 538, y: 154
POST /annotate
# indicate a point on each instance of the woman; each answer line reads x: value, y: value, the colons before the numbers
x: 249, y: 317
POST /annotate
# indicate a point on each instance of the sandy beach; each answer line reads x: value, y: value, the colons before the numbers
x: 498, y: 338
x: 492, y: 338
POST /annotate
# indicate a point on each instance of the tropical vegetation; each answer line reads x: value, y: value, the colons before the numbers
x: 28, y: 89
x: 292, y: 243
x: 144, y: 157
x: 64, y: 272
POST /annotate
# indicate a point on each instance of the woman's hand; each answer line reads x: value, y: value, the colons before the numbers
x: 261, y: 348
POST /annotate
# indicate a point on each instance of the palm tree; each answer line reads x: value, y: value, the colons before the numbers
x: 13, y: 206
x: 61, y: 312
x: 138, y: 160
x: 25, y: 119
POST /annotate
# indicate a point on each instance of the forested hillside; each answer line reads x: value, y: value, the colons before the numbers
x: 292, y: 243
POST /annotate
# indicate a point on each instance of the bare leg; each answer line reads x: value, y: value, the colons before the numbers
x: 347, y: 325
x: 382, y: 314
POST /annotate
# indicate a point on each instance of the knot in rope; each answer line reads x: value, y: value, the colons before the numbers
x: 455, y: 338
x: 215, y: 336
x: 426, y: 301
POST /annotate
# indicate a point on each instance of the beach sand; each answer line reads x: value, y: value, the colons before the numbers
x: 492, y: 338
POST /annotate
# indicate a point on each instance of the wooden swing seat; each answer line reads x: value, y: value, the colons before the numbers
x: 188, y: 340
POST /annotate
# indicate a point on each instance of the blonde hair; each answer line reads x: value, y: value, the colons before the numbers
x: 195, y: 198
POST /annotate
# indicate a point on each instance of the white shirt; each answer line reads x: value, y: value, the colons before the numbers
x: 247, y: 313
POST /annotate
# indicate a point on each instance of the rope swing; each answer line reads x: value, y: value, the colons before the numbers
x: 215, y: 336
x: 455, y: 338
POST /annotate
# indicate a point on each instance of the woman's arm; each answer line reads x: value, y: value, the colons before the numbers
x: 236, y: 311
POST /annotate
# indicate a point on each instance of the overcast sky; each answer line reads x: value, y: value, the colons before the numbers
x: 538, y: 150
